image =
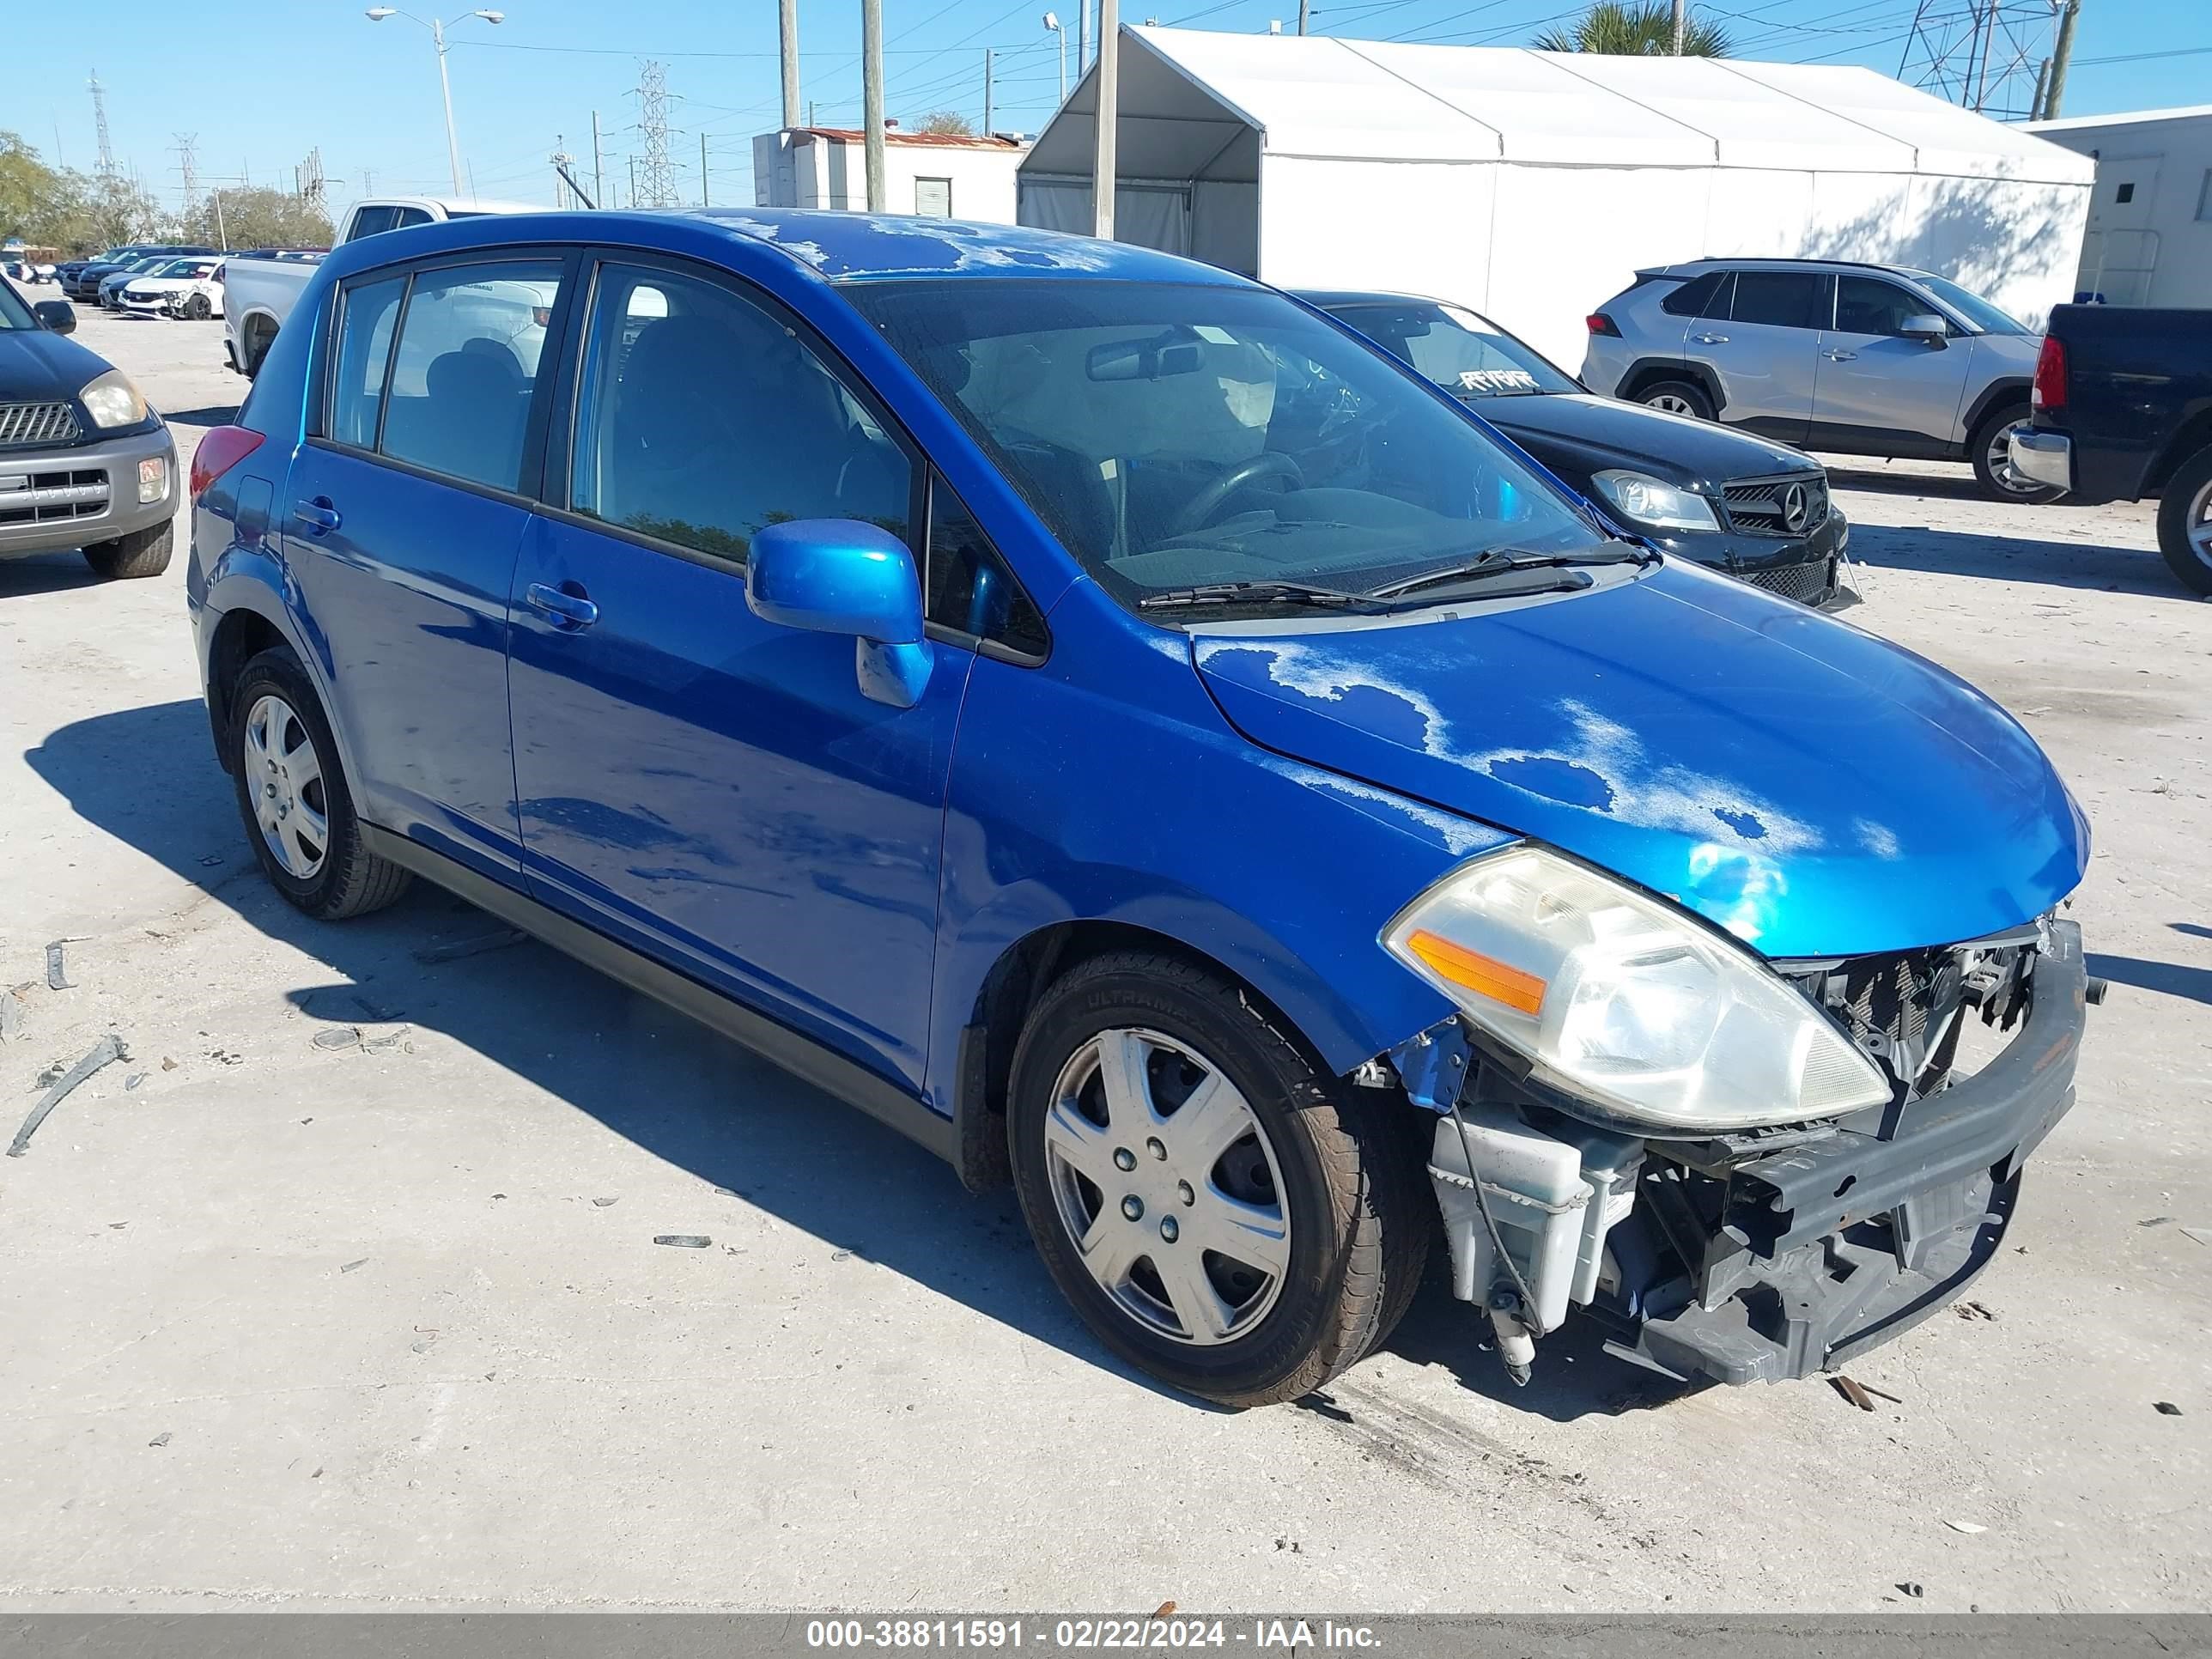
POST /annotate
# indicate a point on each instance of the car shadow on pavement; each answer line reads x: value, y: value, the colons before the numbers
x: 149, y: 777
x: 44, y: 573
x: 2083, y: 564
x: 2171, y: 979
x: 1960, y: 486
x: 213, y: 415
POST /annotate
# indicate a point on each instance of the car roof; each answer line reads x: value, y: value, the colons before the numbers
x: 1732, y: 261
x: 837, y: 246
x: 1330, y: 298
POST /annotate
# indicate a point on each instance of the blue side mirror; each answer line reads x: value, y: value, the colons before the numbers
x: 841, y: 576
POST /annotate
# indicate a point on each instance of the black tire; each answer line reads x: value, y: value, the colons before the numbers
x: 199, y: 309
x: 1992, y: 429
x: 2187, y: 504
x: 349, y: 881
x: 127, y: 558
x: 1360, y: 1217
x: 1691, y: 395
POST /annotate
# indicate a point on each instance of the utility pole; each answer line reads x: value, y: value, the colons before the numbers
x: 871, y: 98
x: 1305, y: 9
x: 2055, y: 90
x: 633, y: 181
x: 987, y: 92
x: 598, y: 163
x: 787, y: 32
x: 703, y: 170
x: 561, y: 159
x: 1679, y: 21
x: 222, y: 234
x: 1103, y: 163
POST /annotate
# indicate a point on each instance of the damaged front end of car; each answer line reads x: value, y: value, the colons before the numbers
x: 1746, y: 1169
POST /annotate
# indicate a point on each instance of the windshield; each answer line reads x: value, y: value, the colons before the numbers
x: 1173, y: 435
x: 1985, y: 317
x: 1465, y: 354
x: 177, y: 268
x: 13, y: 314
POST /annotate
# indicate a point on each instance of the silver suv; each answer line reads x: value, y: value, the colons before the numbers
x: 1828, y: 354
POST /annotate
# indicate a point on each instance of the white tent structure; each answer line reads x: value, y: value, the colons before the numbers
x: 1532, y: 184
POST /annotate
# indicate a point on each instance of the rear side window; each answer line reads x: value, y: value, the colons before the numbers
x: 366, y: 317
x: 702, y: 419
x: 370, y: 221
x: 1779, y: 299
x: 967, y: 586
x: 1695, y: 298
x: 457, y: 397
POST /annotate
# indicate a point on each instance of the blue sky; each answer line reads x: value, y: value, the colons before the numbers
x: 262, y: 81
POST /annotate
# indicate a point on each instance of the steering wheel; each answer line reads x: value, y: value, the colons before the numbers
x: 1199, y: 511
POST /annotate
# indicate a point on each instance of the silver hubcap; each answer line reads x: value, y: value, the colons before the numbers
x: 285, y: 775
x: 1667, y: 402
x: 2197, y: 525
x: 1165, y: 1182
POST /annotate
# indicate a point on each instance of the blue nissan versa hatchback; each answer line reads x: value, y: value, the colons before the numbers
x: 1112, y: 722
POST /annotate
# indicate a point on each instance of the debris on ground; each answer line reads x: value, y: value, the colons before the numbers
x: 476, y: 946
x: 1970, y: 1528
x: 1972, y: 1310
x: 1852, y: 1392
x: 424, y: 1336
x: 1912, y: 1590
x: 133, y: 1080
x: 601, y: 1203
x: 2156, y: 1221
x: 107, y: 1050
x: 161, y: 1439
x: 1163, y: 1611
x: 684, y: 1240
x: 350, y: 1265
x: 168, y: 1065
x: 11, y: 1016
x: 337, y: 1037
x: 58, y: 977
x: 2166, y: 1408
x: 2199, y: 1235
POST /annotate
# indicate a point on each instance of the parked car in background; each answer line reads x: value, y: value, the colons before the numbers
x: 81, y: 279
x: 1730, y: 500
x: 1824, y: 355
x: 83, y: 462
x: 259, y: 293
x: 2123, y: 410
x: 113, y: 284
x: 180, y: 286
x: 1121, y: 728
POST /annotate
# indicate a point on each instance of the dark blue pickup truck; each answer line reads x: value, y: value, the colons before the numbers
x: 2123, y: 410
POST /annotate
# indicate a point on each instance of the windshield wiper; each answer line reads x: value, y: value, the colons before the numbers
x: 1500, y: 560
x: 1254, y: 592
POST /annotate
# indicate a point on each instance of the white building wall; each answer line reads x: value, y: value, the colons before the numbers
x: 2155, y: 247
x: 806, y: 170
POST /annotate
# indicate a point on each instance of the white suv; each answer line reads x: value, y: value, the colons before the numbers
x: 1827, y: 354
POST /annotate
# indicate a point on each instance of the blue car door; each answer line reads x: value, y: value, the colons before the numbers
x: 403, y: 516
x: 701, y: 784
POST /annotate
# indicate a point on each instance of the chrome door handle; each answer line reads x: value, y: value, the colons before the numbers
x: 1708, y: 339
x: 319, y: 516
x: 1841, y: 356
x: 570, y: 611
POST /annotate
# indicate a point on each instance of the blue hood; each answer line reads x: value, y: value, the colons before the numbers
x: 1812, y: 790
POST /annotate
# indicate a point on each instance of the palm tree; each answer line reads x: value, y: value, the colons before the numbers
x: 1637, y: 28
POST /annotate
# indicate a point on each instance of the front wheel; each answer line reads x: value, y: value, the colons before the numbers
x: 142, y: 553
x: 2185, y: 522
x: 1990, y: 450
x: 1222, y: 1214
x: 199, y: 309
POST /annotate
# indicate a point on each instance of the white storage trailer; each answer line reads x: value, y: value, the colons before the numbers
x: 1532, y: 186
x: 2149, y: 238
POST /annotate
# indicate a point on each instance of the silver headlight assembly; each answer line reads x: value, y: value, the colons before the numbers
x: 1625, y: 1001
x: 112, y: 401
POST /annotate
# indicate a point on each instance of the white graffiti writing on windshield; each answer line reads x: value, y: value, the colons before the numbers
x: 1497, y: 379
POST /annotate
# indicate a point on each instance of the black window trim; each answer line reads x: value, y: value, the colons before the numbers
x: 531, y: 480
x: 558, y: 457
x: 981, y: 644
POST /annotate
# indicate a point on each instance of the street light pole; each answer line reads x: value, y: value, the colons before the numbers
x: 378, y: 14
x: 1052, y: 22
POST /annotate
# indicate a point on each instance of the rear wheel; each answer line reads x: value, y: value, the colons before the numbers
x: 1221, y: 1213
x: 292, y: 794
x: 2185, y: 522
x: 1990, y: 450
x: 1677, y: 398
x: 142, y: 553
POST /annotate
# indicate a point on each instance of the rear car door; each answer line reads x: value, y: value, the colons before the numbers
x: 403, y: 516
x: 709, y: 787
x: 1878, y: 386
x: 1760, y: 336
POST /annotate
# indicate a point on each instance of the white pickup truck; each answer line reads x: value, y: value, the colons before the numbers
x: 261, y: 289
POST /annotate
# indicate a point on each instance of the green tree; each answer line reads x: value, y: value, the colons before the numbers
x: 1637, y: 28
x: 257, y: 217
x: 947, y: 121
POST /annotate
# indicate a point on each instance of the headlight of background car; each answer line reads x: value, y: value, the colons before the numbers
x: 1623, y: 1001
x: 111, y: 400
x: 1655, y: 505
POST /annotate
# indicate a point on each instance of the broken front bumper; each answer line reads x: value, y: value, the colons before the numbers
x: 1835, y: 1245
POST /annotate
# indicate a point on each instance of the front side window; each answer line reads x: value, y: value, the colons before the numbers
x: 702, y: 419
x: 471, y: 340
x: 1779, y: 299
x: 1457, y: 350
x: 1866, y: 305
x: 1173, y: 435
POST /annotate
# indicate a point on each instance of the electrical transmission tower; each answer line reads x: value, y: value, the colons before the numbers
x: 313, y: 185
x: 1990, y: 55
x: 188, y: 171
x: 656, y: 170
x: 100, y: 126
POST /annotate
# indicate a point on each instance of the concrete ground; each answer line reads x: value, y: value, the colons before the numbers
x: 382, y: 1323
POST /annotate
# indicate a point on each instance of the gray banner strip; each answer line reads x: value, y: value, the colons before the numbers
x: 1058, y: 1636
